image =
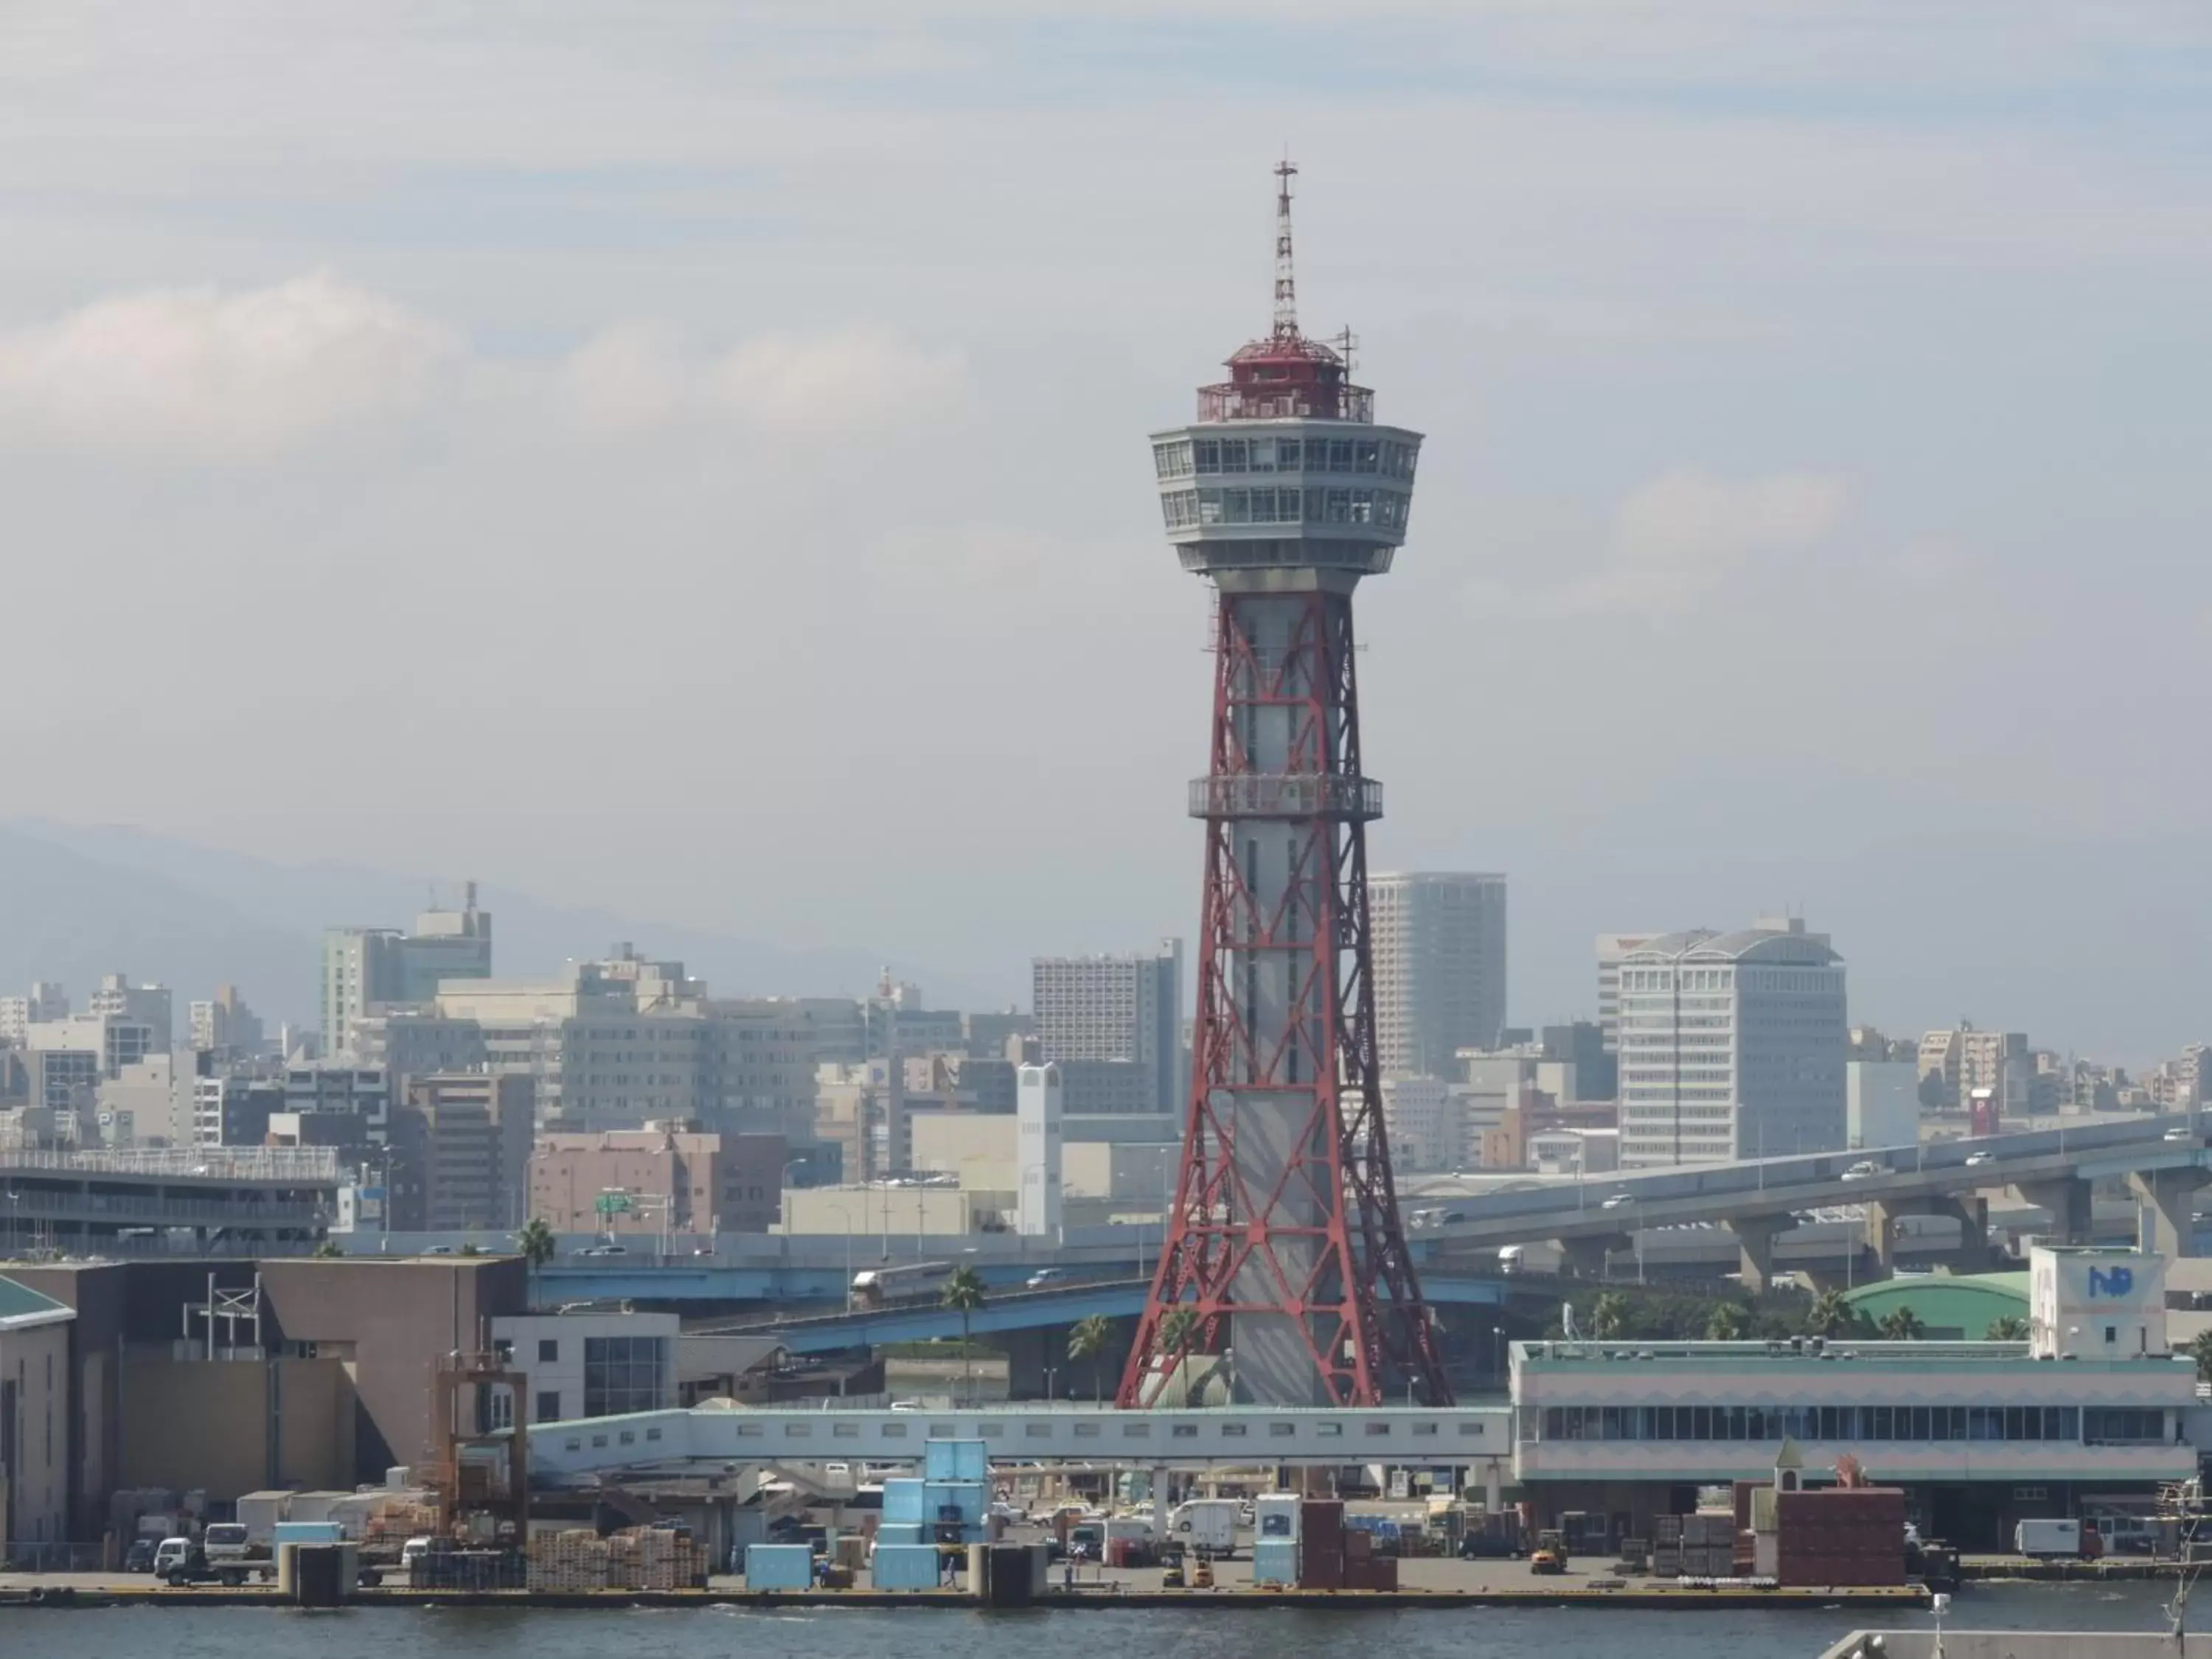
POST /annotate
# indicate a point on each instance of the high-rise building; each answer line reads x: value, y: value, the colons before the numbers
x: 1732, y: 1046
x: 626, y: 1041
x: 1439, y: 944
x: 1124, y: 1008
x: 367, y: 971
x: 18, y: 1014
x: 460, y: 1153
x: 1610, y: 948
x: 234, y: 1108
x: 335, y: 1089
x: 225, y: 1022
x: 142, y: 1005
x: 1959, y: 1063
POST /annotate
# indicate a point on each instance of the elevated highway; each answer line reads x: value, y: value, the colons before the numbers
x: 2164, y: 1159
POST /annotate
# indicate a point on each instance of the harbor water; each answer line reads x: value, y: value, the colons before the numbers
x: 1137, y: 1633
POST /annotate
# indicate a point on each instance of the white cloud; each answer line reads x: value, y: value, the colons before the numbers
x: 202, y: 374
x: 635, y: 378
x: 1678, y: 536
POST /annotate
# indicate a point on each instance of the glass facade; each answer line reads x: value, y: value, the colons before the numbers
x: 2093, y: 1425
x: 624, y: 1374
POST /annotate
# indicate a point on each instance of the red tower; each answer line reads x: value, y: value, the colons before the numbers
x: 1285, y: 1261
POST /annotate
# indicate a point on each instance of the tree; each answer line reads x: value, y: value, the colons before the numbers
x: 1086, y: 1340
x: 1728, y: 1323
x: 963, y: 1292
x: 1831, y: 1315
x: 1608, y: 1317
x: 2013, y: 1329
x: 539, y: 1247
x: 2200, y: 1350
x: 1902, y: 1325
x: 329, y: 1247
x: 1176, y: 1325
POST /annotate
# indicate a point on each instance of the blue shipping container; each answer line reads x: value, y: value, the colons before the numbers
x: 904, y: 1567
x: 956, y: 1459
x: 904, y: 1502
x: 903, y: 1532
x: 779, y: 1567
x: 966, y: 1501
x: 1274, y: 1563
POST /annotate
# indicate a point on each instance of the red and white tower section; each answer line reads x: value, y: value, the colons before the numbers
x: 1285, y: 1278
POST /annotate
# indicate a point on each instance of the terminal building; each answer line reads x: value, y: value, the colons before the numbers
x: 2092, y: 1413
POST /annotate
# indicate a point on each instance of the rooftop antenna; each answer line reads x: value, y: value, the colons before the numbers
x: 1286, y: 287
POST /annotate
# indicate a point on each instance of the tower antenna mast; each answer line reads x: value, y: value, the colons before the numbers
x: 1286, y: 286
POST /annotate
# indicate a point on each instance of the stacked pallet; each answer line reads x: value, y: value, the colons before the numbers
x: 638, y: 1559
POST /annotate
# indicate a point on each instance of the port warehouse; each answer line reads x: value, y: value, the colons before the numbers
x: 329, y: 1392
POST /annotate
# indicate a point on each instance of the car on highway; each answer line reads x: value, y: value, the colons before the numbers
x: 1615, y: 1200
x: 1975, y: 1160
x: 603, y: 1251
x: 1045, y: 1277
x: 2179, y: 1134
x: 1864, y: 1171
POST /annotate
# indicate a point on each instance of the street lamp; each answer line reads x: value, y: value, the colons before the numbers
x: 845, y: 1219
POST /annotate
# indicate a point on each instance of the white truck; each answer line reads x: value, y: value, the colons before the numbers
x: 1207, y: 1525
x: 2047, y: 1538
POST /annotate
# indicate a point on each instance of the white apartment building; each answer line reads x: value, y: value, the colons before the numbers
x: 1439, y: 945
x: 626, y: 1041
x: 1424, y: 1124
x: 1732, y: 1046
x: 368, y: 969
x: 1611, y: 948
x: 142, y: 1005
x: 1125, y: 1008
x: 18, y: 1014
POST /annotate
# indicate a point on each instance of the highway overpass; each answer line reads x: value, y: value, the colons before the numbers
x: 121, y: 1201
x: 2055, y: 1170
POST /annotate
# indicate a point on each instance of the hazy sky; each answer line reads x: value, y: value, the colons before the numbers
x: 691, y: 458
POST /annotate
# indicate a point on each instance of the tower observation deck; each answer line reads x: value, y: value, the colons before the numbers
x: 1285, y: 1261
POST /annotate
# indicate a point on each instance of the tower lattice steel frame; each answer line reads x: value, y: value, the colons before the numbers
x: 1285, y: 1259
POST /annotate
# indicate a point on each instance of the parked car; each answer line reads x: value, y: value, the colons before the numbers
x: 139, y: 1557
x: 438, y: 1250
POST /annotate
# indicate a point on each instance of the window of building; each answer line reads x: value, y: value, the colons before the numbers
x: 624, y: 1374
x: 548, y: 1404
x: 548, y: 1350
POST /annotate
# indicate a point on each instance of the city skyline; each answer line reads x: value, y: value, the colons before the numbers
x: 1771, y: 436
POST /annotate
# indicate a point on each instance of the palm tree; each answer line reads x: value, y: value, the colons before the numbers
x: 2200, y: 1350
x: 2013, y: 1329
x: 1831, y: 1315
x: 1608, y: 1316
x: 1086, y: 1340
x: 1902, y: 1325
x: 538, y: 1246
x: 1728, y: 1323
x: 963, y: 1292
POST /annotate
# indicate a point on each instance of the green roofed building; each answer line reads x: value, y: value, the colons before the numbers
x: 1952, y: 1307
x: 35, y: 1416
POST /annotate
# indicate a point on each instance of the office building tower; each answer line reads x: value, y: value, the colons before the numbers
x: 1732, y: 1046
x: 460, y: 1153
x: 1610, y: 948
x: 140, y: 1005
x: 367, y: 971
x: 1123, y: 1008
x: 226, y: 1023
x: 1439, y: 952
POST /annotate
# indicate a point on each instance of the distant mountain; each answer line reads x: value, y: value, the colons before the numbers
x: 77, y: 902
